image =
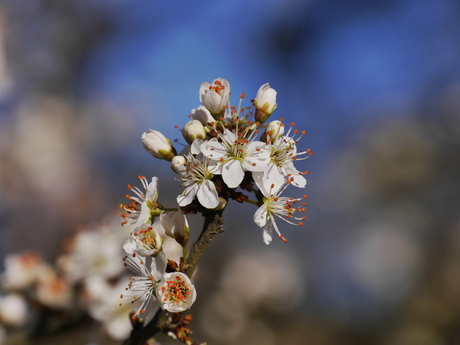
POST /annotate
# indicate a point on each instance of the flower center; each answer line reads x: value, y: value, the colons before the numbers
x: 176, y: 290
x: 217, y: 87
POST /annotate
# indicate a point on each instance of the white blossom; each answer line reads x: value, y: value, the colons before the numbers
x: 143, y: 208
x: 175, y: 292
x: 215, y: 96
x: 196, y: 177
x: 234, y: 155
x: 144, y: 241
x: 275, y: 206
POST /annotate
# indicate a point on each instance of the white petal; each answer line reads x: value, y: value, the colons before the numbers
x: 213, y: 149
x: 260, y: 182
x: 274, y: 177
x: 187, y: 195
x: 266, y: 237
x: 152, y: 192
x: 130, y: 246
x: 232, y: 173
x: 260, y: 217
x: 207, y: 194
x: 195, y: 147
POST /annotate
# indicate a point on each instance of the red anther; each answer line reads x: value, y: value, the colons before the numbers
x: 149, y: 228
x: 303, y: 209
x: 275, y: 199
x: 304, y: 132
x: 242, y: 95
x: 250, y: 122
x: 310, y: 153
x: 221, y: 160
x: 300, y: 223
x: 124, y: 223
x: 305, y: 196
x: 129, y: 187
x: 281, y: 119
x: 272, y: 185
x: 283, y: 239
x: 304, y: 204
x: 253, y: 164
x: 210, y: 87
x: 292, y: 124
x: 306, y: 172
x: 135, y: 234
x: 303, y: 218
x: 133, y: 255
x: 176, y: 126
x: 124, y: 216
x: 308, y: 150
x: 143, y: 311
x: 121, y: 296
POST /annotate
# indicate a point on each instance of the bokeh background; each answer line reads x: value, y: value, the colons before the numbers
x: 376, y: 85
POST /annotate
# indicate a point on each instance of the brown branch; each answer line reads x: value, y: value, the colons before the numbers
x: 162, y: 321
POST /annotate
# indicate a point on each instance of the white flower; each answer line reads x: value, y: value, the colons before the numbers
x: 95, y: 252
x: 103, y: 307
x: 175, y: 225
x: 265, y: 102
x: 54, y: 292
x: 158, y: 145
x: 144, y: 241
x: 193, y: 130
x: 275, y: 206
x: 234, y: 155
x: 175, y: 292
x: 142, y: 285
x: 283, y: 154
x: 143, y: 208
x: 22, y: 270
x: 215, y: 96
x: 196, y: 178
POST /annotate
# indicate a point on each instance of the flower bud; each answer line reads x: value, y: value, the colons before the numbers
x: 274, y: 131
x: 202, y: 114
x: 215, y: 96
x: 265, y: 102
x: 193, y: 130
x: 175, y: 225
x: 158, y: 145
x: 178, y: 164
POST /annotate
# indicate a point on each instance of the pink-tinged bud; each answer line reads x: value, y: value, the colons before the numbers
x: 274, y: 131
x: 176, y: 226
x: 193, y: 130
x: 265, y: 102
x: 158, y: 145
x: 215, y: 96
x: 178, y: 164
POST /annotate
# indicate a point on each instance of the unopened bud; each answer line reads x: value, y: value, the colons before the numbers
x: 193, y: 130
x: 265, y: 103
x: 178, y: 164
x: 176, y: 226
x: 158, y: 145
x: 274, y: 131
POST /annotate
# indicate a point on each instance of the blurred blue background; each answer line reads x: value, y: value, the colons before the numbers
x: 376, y: 85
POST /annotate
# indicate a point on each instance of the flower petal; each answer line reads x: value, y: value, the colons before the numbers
x: 260, y: 217
x: 232, y: 173
x: 187, y: 195
x: 207, y: 194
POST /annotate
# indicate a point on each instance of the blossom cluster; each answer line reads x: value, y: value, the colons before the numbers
x: 228, y: 147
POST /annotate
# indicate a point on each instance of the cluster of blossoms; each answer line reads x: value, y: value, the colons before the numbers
x: 229, y: 147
